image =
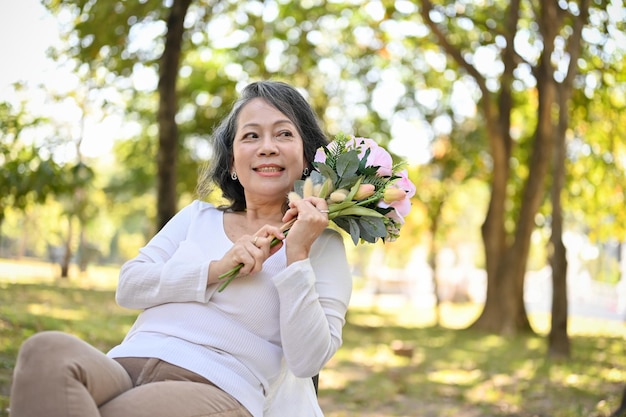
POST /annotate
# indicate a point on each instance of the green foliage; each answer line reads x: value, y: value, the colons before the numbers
x: 135, y: 172
x: 364, y: 65
x: 110, y: 47
x: 596, y: 188
x: 345, y: 167
x: 27, y: 176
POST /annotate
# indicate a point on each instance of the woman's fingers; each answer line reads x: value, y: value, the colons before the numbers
x: 311, y: 209
x: 241, y: 253
x: 311, y: 220
x: 257, y: 248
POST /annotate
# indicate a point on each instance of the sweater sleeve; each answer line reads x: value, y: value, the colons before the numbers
x: 167, y: 268
x: 314, y: 295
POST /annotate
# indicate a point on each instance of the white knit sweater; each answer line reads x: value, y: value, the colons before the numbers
x: 262, y: 338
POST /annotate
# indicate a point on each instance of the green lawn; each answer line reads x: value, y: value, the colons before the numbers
x: 444, y: 372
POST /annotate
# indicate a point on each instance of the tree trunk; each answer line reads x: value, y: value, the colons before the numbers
x: 534, y: 189
x: 432, y: 259
x: 67, y: 254
x: 498, y: 120
x: 513, y: 264
x: 497, y: 113
x: 168, y: 106
x: 558, y: 340
x: 507, y: 313
x: 493, y: 232
x: 83, y: 250
x: 506, y: 255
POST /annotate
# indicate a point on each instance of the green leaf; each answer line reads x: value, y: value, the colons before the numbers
x: 297, y: 187
x: 347, y: 181
x: 348, y: 164
x: 350, y: 225
x: 369, y: 171
x: 355, y: 210
x: 336, y: 207
x: 326, y: 171
x: 372, y: 228
x: 363, y: 161
x: 353, y: 190
x: 316, y: 177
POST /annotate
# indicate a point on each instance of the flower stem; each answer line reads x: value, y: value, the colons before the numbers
x: 232, y: 274
x: 371, y: 199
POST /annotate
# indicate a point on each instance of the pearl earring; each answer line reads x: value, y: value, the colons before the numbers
x: 233, y: 176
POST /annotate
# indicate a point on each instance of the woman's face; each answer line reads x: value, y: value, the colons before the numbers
x: 268, y: 154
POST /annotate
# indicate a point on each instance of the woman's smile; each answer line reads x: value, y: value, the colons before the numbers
x: 269, y: 170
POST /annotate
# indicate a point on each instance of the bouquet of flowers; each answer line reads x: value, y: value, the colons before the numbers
x: 368, y: 196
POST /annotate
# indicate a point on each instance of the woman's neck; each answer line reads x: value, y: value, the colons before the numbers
x: 255, y: 214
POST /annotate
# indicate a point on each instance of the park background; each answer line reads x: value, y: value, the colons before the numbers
x: 505, y: 294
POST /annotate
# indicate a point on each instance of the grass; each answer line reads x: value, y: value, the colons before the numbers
x: 394, y: 362
x: 455, y: 372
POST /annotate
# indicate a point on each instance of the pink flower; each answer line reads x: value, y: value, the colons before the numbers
x: 405, y: 183
x: 364, y: 191
x: 401, y: 207
x: 378, y: 155
x: 393, y: 194
x: 320, y: 154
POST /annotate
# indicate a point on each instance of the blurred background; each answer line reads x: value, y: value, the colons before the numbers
x: 505, y: 294
x: 509, y: 115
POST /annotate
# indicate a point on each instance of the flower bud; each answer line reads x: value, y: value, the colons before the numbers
x: 307, y: 188
x: 325, y: 189
x: 393, y: 194
x: 293, y: 196
x: 364, y: 191
x: 338, y: 196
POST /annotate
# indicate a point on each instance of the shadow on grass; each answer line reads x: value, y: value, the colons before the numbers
x: 26, y: 309
x: 383, y: 369
x: 434, y: 371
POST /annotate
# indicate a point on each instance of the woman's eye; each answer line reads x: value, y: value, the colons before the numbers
x: 249, y: 136
x: 284, y: 134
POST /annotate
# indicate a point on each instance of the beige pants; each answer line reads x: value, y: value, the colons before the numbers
x: 59, y: 375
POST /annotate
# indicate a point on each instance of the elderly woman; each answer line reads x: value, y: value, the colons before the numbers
x: 249, y: 350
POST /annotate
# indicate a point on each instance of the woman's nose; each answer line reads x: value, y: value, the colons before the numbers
x: 268, y: 145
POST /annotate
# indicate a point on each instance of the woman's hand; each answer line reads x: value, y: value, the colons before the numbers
x: 311, y: 214
x: 249, y: 250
